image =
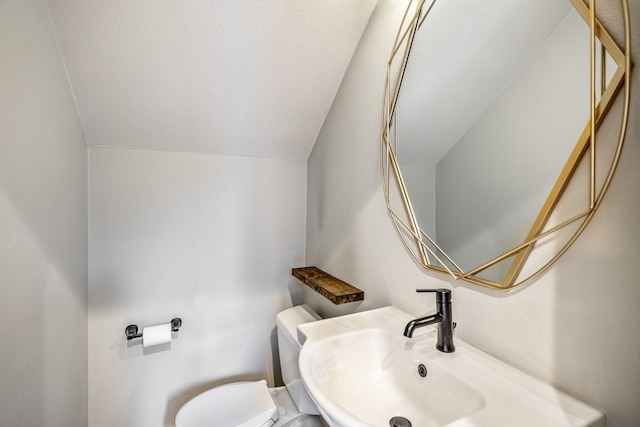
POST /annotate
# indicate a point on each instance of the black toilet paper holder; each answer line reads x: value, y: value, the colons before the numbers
x: 131, y: 331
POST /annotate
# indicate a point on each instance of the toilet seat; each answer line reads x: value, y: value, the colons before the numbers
x: 252, y: 404
x: 243, y: 404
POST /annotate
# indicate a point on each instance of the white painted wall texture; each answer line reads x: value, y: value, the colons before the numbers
x: 210, y: 239
x: 577, y: 326
x: 43, y: 228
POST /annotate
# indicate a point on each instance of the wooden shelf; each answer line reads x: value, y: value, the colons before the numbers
x: 335, y: 290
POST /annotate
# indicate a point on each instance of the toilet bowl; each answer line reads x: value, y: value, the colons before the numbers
x: 253, y: 404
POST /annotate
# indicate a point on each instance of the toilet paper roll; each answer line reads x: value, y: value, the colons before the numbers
x: 154, y: 335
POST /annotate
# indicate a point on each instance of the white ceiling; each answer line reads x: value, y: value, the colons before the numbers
x: 230, y: 77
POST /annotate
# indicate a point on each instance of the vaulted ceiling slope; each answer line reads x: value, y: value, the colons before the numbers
x: 230, y: 77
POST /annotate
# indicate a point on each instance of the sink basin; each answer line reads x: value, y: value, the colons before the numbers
x: 380, y: 380
x: 361, y: 371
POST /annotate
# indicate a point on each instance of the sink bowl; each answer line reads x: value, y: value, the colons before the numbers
x: 361, y: 371
x: 373, y: 376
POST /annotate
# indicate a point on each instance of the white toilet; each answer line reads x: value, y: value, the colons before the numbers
x: 252, y: 404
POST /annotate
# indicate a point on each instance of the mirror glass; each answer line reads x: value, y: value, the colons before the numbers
x: 490, y: 143
x: 494, y: 96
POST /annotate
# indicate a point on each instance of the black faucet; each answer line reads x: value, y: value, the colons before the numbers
x: 443, y: 318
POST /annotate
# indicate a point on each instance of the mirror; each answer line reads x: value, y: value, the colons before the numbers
x: 488, y: 119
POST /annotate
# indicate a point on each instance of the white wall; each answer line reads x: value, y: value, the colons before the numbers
x: 206, y: 238
x: 43, y: 228
x: 577, y: 326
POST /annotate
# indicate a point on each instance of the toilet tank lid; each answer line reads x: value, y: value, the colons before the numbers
x: 289, y: 319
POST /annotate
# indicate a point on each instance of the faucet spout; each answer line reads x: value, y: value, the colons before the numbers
x: 423, y: 321
x: 443, y: 318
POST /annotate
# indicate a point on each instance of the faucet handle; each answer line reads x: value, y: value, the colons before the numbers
x: 442, y: 295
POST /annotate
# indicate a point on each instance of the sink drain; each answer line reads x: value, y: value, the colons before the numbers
x: 399, y: 422
x: 422, y: 370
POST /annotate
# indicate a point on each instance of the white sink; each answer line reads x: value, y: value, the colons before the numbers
x: 361, y: 371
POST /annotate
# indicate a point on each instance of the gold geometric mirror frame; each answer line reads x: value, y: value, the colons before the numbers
x: 549, y: 224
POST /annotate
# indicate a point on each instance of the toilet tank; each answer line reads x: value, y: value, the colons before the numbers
x: 289, y: 348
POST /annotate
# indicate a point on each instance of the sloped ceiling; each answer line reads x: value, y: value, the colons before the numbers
x: 229, y: 77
